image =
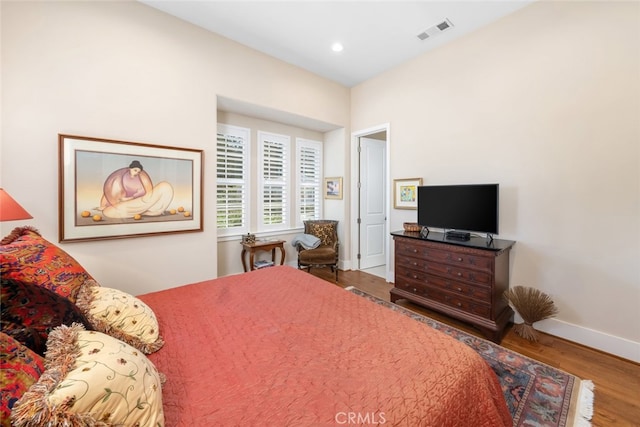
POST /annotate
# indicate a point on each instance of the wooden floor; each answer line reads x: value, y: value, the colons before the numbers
x: 617, y: 381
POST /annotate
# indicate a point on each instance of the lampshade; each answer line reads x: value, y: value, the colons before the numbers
x: 10, y: 210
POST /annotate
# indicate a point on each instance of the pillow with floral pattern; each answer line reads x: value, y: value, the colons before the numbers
x: 92, y: 379
x: 120, y: 315
x: 26, y: 256
x: 324, y: 231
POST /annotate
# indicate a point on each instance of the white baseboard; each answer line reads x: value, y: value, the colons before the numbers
x: 607, y: 343
x: 611, y: 344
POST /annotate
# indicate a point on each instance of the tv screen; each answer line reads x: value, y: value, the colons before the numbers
x: 471, y: 207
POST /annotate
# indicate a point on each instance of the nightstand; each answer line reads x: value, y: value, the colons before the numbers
x: 269, y: 245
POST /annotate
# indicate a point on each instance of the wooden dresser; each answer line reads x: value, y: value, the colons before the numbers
x: 461, y: 279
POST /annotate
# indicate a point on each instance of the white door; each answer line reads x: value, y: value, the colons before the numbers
x: 373, y: 227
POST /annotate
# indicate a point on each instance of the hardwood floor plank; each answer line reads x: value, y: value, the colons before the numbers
x: 617, y: 381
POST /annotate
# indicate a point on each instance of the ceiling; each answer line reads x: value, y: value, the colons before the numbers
x: 376, y: 35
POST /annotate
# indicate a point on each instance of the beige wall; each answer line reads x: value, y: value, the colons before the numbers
x: 336, y: 158
x: 124, y: 71
x: 546, y: 103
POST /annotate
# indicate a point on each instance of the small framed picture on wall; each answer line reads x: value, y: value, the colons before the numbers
x: 405, y: 193
x: 333, y: 188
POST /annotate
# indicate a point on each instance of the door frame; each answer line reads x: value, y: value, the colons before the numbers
x: 355, y: 190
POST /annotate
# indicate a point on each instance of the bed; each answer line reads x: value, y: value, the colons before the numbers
x: 278, y: 346
x: 273, y: 347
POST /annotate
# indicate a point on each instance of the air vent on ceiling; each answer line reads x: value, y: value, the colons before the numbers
x: 436, y: 29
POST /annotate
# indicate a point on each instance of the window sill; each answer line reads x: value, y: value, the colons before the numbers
x: 261, y: 234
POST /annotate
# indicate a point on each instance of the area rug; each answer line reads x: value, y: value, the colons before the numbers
x: 538, y: 395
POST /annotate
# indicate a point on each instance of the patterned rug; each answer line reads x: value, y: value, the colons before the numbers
x: 537, y: 395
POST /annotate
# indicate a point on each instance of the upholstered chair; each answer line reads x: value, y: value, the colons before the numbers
x: 325, y: 255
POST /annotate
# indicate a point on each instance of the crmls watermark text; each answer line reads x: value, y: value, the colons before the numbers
x: 360, y: 418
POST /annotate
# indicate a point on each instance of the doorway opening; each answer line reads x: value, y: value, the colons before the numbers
x: 370, y: 206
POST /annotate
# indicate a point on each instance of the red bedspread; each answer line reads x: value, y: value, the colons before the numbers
x: 280, y: 347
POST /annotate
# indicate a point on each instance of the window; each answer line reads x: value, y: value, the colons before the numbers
x: 265, y: 182
x: 232, y: 179
x: 308, y: 180
x: 273, y: 180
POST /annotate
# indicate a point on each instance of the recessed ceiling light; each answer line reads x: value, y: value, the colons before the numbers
x: 337, y: 47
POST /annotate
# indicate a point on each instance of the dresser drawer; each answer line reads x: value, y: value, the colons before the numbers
x: 461, y: 259
x: 409, y: 286
x: 458, y: 273
x: 409, y: 249
x: 413, y: 263
x: 434, y: 293
x: 464, y: 304
x: 424, y: 250
x: 480, y: 293
x: 418, y: 265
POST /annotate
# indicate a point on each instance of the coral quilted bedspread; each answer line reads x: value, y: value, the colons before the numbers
x: 280, y: 347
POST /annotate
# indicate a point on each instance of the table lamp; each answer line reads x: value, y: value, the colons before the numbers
x: 10, y: 210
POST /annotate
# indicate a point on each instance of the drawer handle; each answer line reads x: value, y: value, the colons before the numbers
x: 459, y: 274
x: 414, y: 276
x: 459, y: 304
x: 415, y: 290
x: 459, y: 289
x: 415, y: 264
x: 415, y: 251
x: 459, y: 260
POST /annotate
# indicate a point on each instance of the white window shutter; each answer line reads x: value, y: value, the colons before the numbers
x: 309, y: 180
x: 232, y: 179
x: 274, y: 180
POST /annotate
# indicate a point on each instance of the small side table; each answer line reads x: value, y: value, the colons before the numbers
x: 261, y: 246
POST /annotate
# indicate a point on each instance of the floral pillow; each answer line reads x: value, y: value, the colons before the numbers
x: 92, y: 379
x: 27, y: 257
x: 20, y: 368
x: 30, y: 312
x: 324, y: 231
x: 120, y: 315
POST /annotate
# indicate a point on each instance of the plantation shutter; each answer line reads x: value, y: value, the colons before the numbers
x: 232, y: 179
x: 274, y: 153
x: 309, y: 176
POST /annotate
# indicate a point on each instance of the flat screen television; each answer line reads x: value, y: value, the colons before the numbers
x: 471, y: 207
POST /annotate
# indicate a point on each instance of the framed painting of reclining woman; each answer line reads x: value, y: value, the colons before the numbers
x: 111, y: 189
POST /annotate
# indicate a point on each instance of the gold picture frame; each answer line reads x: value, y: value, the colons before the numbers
x: 111, y: 189
x: 405, y: 193
x: 333, y: 188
